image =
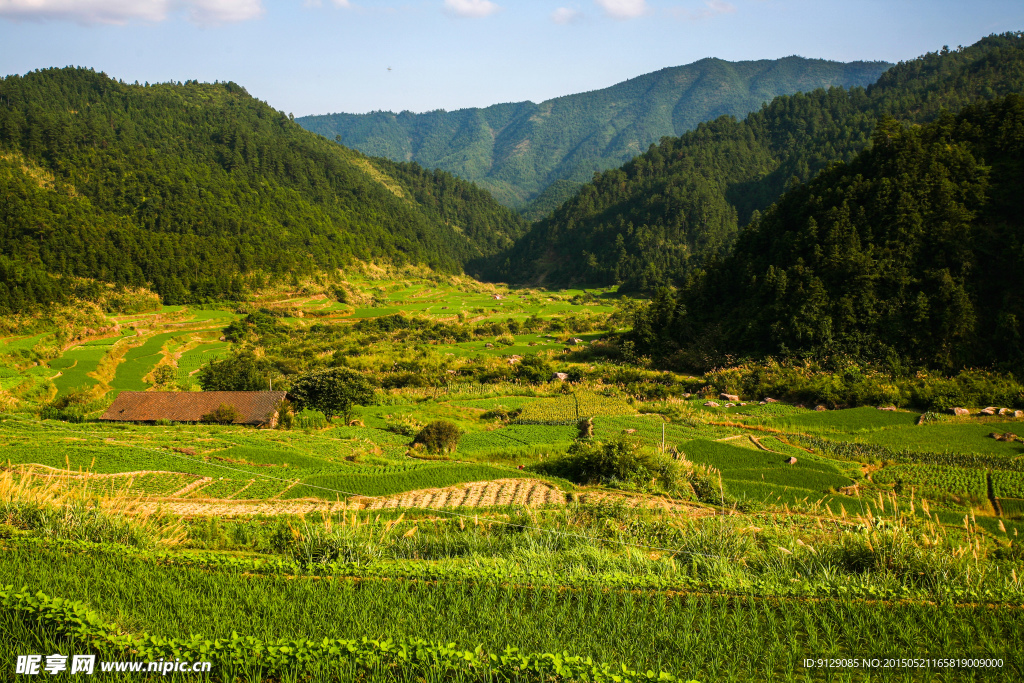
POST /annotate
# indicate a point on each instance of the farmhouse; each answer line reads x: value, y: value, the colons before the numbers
x: 258, y: 408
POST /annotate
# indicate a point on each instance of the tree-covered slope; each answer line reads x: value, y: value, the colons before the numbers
x: 651, y: 221
x: 199, y: 191
x: 525, y: 152
x: 913, y: 251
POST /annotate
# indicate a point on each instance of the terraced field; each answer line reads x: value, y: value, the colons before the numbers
x: 192, y: 360
x: 139, y: 362
x: 760, y: 475
x: 77, y: 366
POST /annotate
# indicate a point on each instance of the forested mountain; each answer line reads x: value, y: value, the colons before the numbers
x: 201, y: 191
x: 660, y: 215
x: 541, y: 153
x: 912, y: 252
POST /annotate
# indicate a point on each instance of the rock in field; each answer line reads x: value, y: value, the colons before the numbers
x: 729, y: 397
x: 791, y: 461
x: 960, y: 411
x: 770, y: 400
x: 1018, y: 413
x: 820, y: 408
x: 711, y: 404
x: 560, y: 376
x: 1008, y: 436
x: 888, y: 408
x: 991, y: 410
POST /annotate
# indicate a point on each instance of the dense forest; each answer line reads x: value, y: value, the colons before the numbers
x: 200, y: 191
x: 534, y: 156
x: 655, y: 219
x: 912, y: 253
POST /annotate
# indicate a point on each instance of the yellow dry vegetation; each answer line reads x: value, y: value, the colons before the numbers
x: 374, y: 173
x: 39, y: 175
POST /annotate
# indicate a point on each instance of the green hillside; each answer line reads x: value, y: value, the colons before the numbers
x: 653, y: 220
x: 527, y: 153
x: 200, y: 191
x: 914, y: 250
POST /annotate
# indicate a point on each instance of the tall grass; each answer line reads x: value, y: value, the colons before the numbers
x: 61, y: 505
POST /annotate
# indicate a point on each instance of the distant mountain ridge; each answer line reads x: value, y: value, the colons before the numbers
x: 540, y: 153
x: 668, y: 212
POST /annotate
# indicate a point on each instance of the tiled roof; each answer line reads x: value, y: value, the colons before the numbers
x: 255, y: 407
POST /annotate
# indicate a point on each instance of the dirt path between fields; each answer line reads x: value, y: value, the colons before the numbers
x: 483, y: 494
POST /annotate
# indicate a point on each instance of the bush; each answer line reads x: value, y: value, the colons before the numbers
x: 163, y: 375
x: 439, y: 436
x: 404, y: 425
x: 285, y: 414
x: 71, y: 407
x: 224, y: 414
x: 501, y: 413
x: 533, y: 370
x: 623, y: 463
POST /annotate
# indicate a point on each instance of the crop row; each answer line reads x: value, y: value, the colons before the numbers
x: 850, y: 420
x: 331, y: 486
x: 689, y: 634
x: 570, y: 408
x: 76, y: 365
x: 935, y: 481
x: 139, y: 361
x: 845, y: 587
x: 849, y: 450
x: 517, y: 436
x: 194, y: 359
x: 744, y: 464
x: 262, y: 660
x: 1008, y: 484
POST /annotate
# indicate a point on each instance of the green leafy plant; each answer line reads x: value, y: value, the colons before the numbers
x: 223, y: 414
x: 439, y: 436
x: 332, y: 392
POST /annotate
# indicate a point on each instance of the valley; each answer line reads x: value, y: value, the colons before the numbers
x: 747, y: 408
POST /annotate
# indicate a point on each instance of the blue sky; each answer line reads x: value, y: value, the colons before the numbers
x: 320, y: 56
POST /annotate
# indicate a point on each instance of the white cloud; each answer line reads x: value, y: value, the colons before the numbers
x: 565, y: 15
x: 124, y: 11
x: 222, y: 11
x: 711, y: 8
x: 623, y: 9
x: 471, y: 8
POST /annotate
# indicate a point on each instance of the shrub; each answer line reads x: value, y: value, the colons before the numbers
x: 533, y: 369
x: 285, y: 414
x: 224, y: 414
x: 439, y: 436
x: 501, y: 413
x: 70, y: 407
x: 404, y: 425
x: 163, y: 375
x: 623, y: 463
